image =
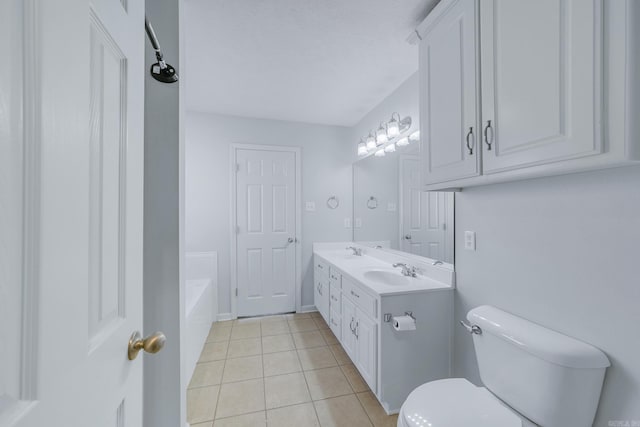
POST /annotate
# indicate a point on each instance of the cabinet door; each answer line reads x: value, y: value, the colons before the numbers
x: 541, y: 81
x: 448, y: 96
x: 367, y: 350
x: 348, y: 325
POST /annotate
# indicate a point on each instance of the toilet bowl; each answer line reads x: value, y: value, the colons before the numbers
x: 533, y: 376
x: 456, y: 402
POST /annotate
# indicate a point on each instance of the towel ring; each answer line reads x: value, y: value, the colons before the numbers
x: 333, y: 202
x: 372, y: 203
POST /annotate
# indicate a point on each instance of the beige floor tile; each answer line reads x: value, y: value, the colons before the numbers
x: 329, y: 337
x: 273, y: 318
x: 243, y: 368
x: 207, y: 424
x: 243, y: 348
x: 208, y: 373
x: 240, y: 398
x: 219, y: 332
x: 355, y: 379
x: 214, y: 351
x: 284, y: 362
x: 256, y: 419
x: 240, y: 332
x: 246, y: 321
x: 320, y: 323
x: 325, y: 383
x: 293, y: 416
x: 201, y: 403
x: 344, y: 411
x: 341, y: 356
x: 286, y: 390
x: 308, y: 339
x: 315, y: 315
x: 276, y: 343
x: 302, y: 325
x: 374, y: 410
x: 316, y: 358
x: 275, y: 328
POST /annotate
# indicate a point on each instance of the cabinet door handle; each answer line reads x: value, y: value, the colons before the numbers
x: 334, y: 322
x: 486, y: 135
x: 356, y: 332
x: 470, y: 144
x: 351, y: 326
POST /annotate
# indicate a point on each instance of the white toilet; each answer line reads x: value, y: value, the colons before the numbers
x: 533, y: 376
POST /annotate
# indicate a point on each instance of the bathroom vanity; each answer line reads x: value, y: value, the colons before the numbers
x: 359, y: 296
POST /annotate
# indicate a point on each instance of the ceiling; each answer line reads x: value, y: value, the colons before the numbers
x: 314, y: 61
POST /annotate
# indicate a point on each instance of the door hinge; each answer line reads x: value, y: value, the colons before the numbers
x: 237, y: 229
x: 236, y: 291
x: 237, y: 167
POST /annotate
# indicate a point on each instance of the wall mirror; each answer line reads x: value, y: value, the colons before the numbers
x: 405, y: 219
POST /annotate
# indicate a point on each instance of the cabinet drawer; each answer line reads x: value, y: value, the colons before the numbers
x: 366, y: 302
x: 335, y: 278
x: 321, y: 269
x: 335, y: 297
x: 335, y: 323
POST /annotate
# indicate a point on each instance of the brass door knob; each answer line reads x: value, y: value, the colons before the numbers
x: 151, y: 344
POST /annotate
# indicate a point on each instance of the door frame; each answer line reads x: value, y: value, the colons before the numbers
x: 233, y: 236
x: 401, y: 158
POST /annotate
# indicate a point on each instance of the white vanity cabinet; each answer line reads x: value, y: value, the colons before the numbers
x: 392, y: 363
x: 512, y: 89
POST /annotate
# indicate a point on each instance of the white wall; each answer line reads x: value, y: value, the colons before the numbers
x: 326, y: 171
x: 561, y: 252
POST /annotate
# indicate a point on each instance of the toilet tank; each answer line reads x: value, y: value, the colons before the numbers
x: 550, y: 378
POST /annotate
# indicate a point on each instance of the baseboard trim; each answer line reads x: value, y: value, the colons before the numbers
x: 307, y: 308
x: 224, y: 316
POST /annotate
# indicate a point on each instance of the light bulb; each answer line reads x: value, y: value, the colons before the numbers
x: 381, y: 135
x: 414, y: 136
x: 403, y: 142
x: 380, y: 153
x: 371, y: 143
x: 393, y: 127
x: 362, y: 149
x: 390, y: 148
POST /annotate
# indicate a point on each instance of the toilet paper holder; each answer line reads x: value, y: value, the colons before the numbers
x: 389, y: 316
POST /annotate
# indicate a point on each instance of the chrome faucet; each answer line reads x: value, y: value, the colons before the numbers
x: 356, y: 251
x: 407, y: 270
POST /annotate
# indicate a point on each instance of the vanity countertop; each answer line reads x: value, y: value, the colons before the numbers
x: 355, y: 267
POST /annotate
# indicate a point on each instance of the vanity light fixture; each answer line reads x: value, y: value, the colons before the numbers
x: 393, y: 127
x: 362, y: 148
x: 371, y: 142
x: 381, y: 135
x: 380, y: 153
x: 390, y: 148
x: 403, y: 142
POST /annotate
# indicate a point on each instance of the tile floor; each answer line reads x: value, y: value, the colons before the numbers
x: 279, y: 371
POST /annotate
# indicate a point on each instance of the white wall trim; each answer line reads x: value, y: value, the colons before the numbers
x: 307, y: 308
x: 225, y: 316
x: 297, y: 151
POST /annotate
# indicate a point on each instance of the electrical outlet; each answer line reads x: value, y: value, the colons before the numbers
x: 470, y: 240
x: 347, y: 223
x: 310, y: 206
x: 358, y: 222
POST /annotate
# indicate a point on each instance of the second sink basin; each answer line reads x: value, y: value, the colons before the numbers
x: 385, y: 277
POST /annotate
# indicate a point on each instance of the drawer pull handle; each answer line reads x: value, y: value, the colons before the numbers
x: 333, y: 322
x: 320, y: 266
x: 486, y: 135
x: 469, y: 143
x: 355, y: 295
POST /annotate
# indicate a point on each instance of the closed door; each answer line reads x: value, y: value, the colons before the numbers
x: 448, y: 96
x: 348, y: 327
x: 424, y: 214
x: 367, y: 349
x: 266, y: 231
x: 71, y: 216
x: 541, y: 81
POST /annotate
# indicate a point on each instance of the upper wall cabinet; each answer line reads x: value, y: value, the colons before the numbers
x: 448, y: 96
x: 514, y: 89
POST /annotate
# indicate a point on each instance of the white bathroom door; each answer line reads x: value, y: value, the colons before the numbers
x: 424, y: 219
x: 71, y: 191
x: 266, y: 239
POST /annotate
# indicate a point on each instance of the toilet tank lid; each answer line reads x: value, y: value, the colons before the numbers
x: 537, y: 340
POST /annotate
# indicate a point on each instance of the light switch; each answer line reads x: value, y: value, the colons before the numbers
x: 347, y: 223
x: 470, y: 240
x: 310, y: 206
x: 391, y: 207
x: 358, y: 222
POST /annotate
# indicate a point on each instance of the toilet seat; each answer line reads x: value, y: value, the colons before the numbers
x: 456, y: 402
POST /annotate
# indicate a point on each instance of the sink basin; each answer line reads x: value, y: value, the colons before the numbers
x: 384, y: 277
